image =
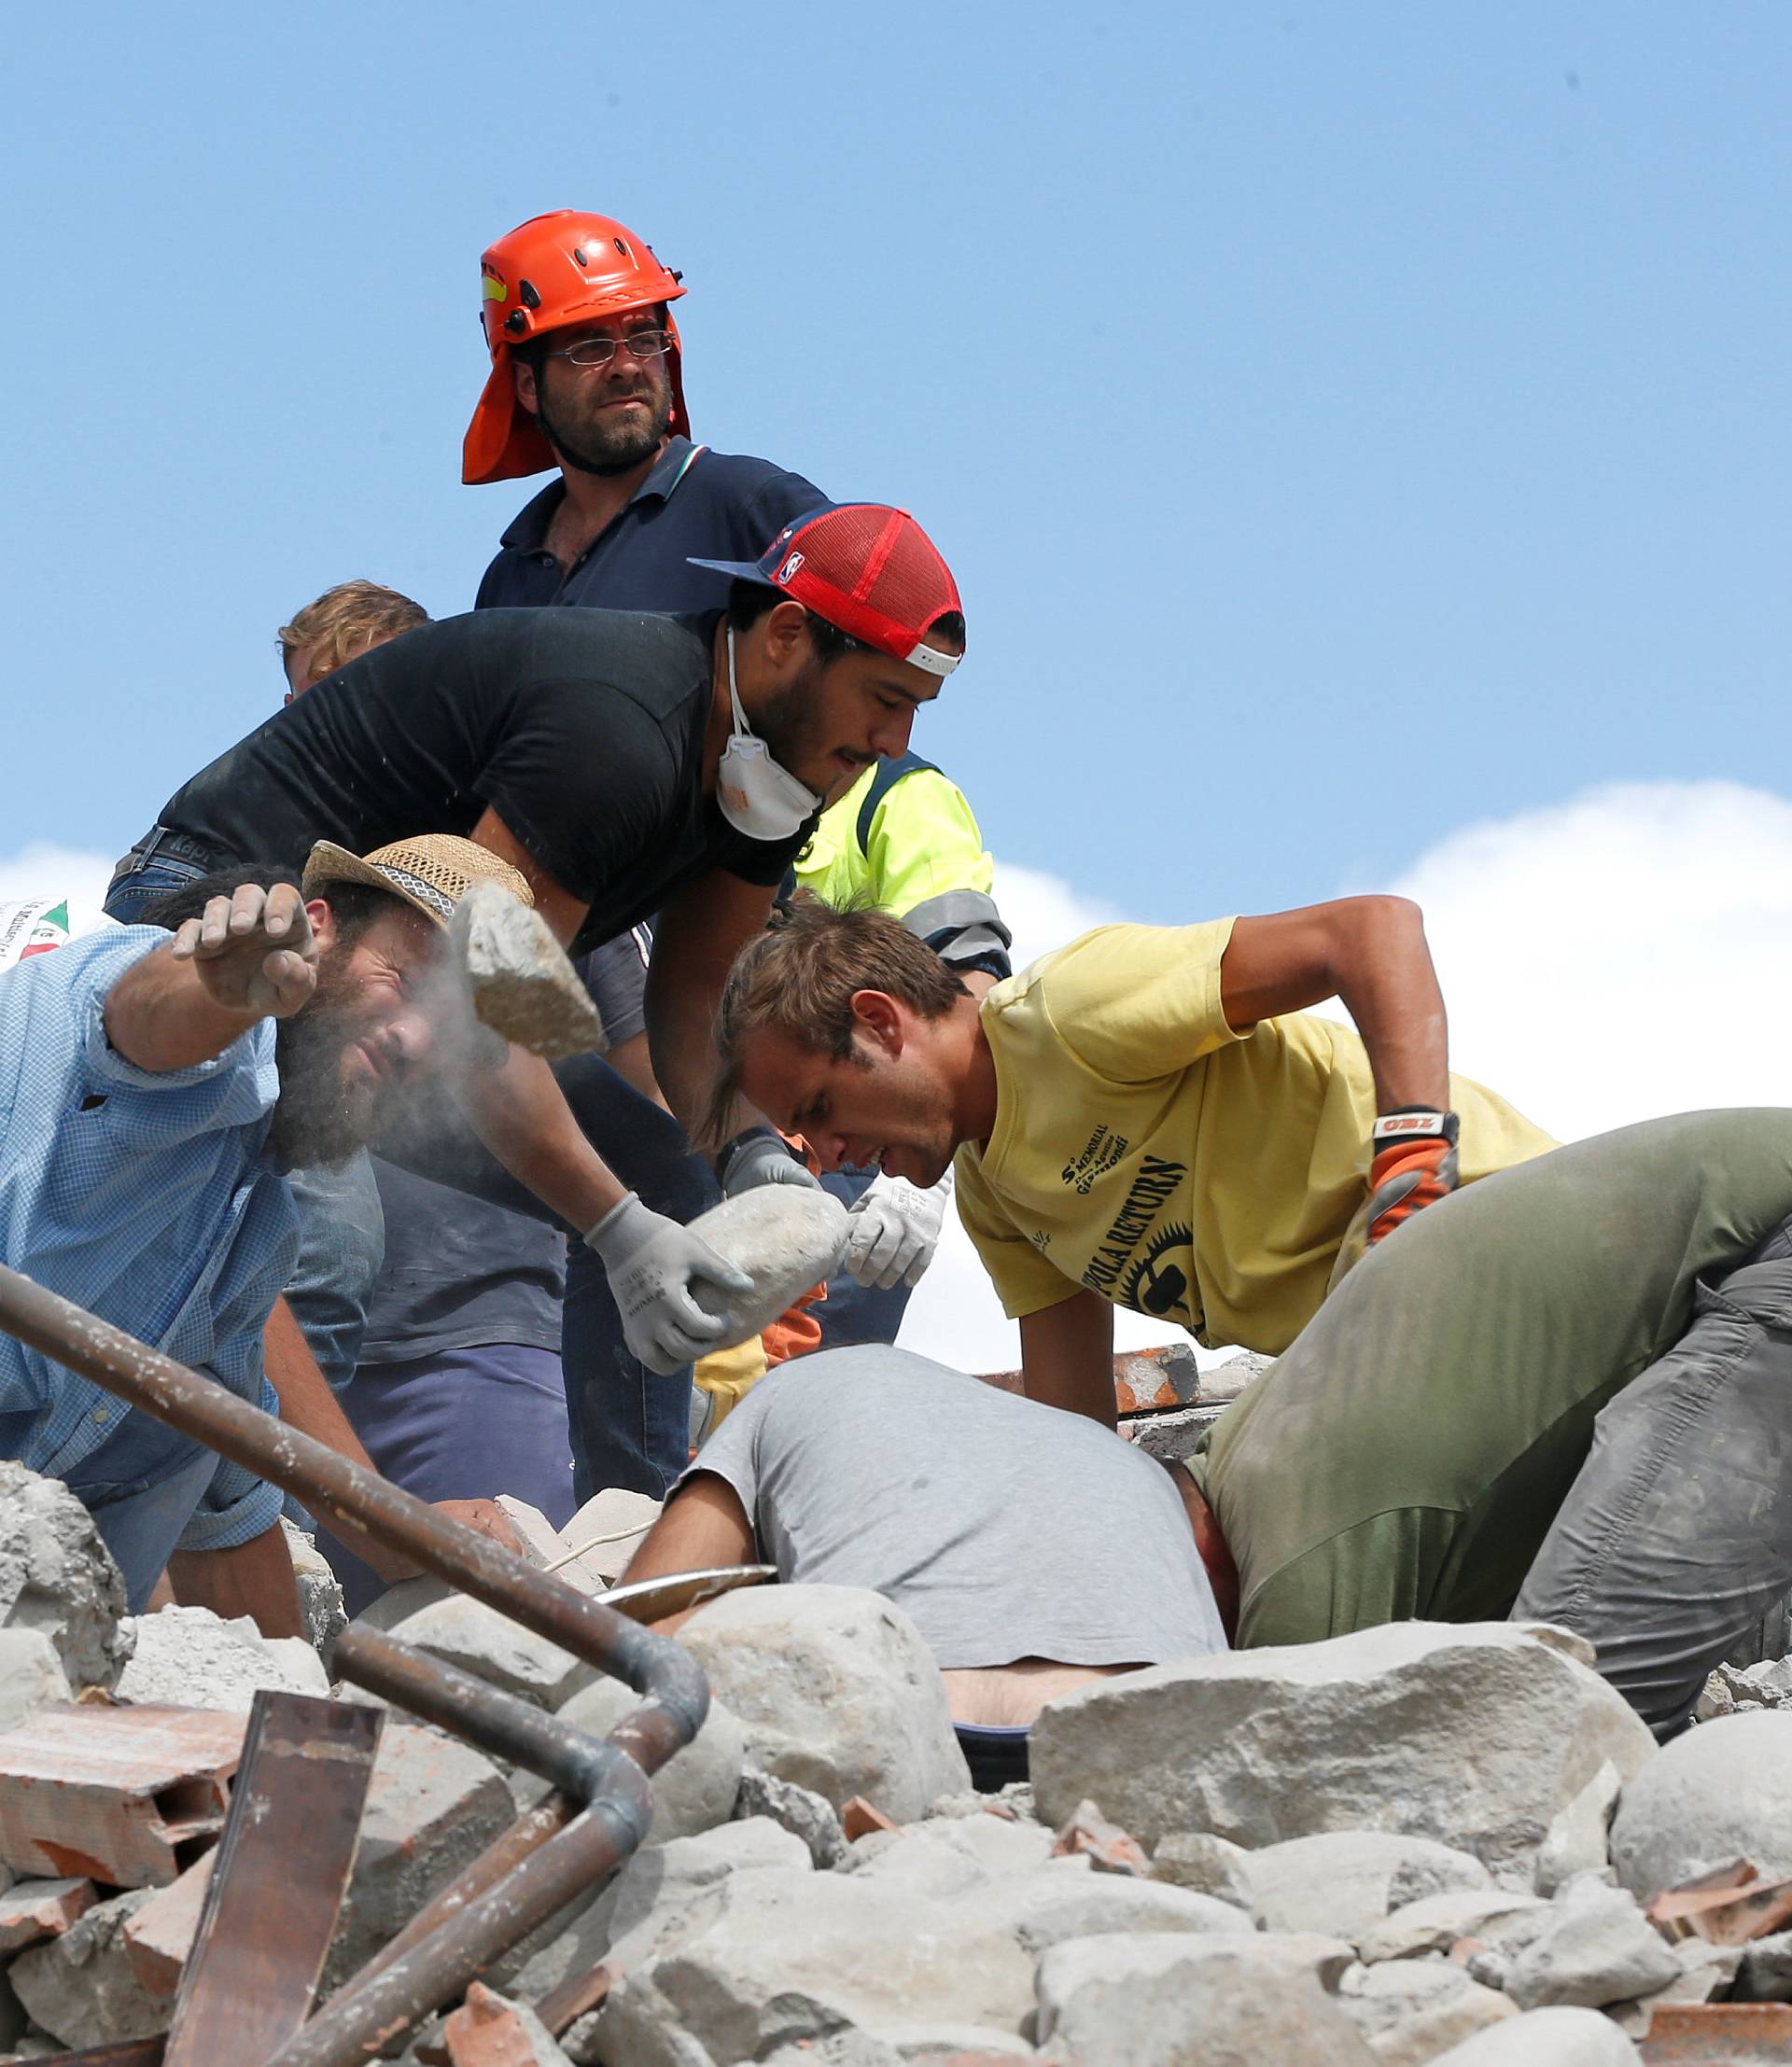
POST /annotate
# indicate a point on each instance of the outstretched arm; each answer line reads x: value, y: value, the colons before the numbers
x: 1369, y: 952
x: 246, y: 958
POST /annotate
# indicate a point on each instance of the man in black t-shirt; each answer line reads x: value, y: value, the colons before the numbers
x: 627, y: 765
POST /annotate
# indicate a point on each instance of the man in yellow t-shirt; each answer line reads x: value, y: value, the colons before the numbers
x: 1146, y: 1118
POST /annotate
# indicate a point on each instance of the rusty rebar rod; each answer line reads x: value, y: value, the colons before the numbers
x: 382, y: 2004
x: 198, y: 1406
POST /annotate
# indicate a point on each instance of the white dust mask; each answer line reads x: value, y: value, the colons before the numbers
x: 757, y: 796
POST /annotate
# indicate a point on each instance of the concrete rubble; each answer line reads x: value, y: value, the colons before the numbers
x: 56, y: 1575
x: 1420, y: 1845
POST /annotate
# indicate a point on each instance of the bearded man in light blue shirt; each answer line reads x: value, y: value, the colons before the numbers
x: 151, y: 1093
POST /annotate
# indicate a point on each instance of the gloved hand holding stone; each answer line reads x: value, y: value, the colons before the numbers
x: 895, y: 1231
x: 653, y: 1266
x: 759, y: 1156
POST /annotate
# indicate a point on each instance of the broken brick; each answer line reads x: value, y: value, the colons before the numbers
x: 40, y: 1909
x: 859, y: 1819
x: 130, y: 1796
x: 159, y: 1937
x: 490, y: 2030
x: 1107, y: 1847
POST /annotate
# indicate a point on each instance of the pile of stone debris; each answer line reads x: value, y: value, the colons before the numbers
x: 1421, y: 1843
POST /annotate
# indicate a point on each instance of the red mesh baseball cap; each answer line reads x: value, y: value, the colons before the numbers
x: 870, y: 570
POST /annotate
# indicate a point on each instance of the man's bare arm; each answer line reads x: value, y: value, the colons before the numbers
x: 1369, y: 952
x: 700, y: 932
x: 704, y: 1526
x: 255, y: 1579
x: 248, y: 957
x: 1067, y: 1356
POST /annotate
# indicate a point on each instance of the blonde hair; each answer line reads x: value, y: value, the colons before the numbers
x: 798, y: 978
x: 345, y: 620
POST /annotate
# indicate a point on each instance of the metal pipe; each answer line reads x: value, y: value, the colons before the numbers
x: 357, y: 2025
x: 612, y: 1774
x: 349, y: 1492
x: 507, y: 1727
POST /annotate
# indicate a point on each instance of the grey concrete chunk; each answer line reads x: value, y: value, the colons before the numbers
x: 466, y: 1632
x: 1595, y: 1947
x: 1473, y: 1735
x: 786, y: 1238
x: 658, y: 1898
x: 81, y: 1988
x: 1410, y: 2010
x: 1435, y: 1923
x: 1766, y: 1972
x: 1579, y: 1840
x: 1066, y: 1901
x: 320, y: 1594
x: 523, y: 986
x: 1718, y: 1793
x: 56, y: 1575
x: 189, y: 1657
x: 1163, y: 2001
x: 1206, y: 1864
x: 799, y: 1809
x: 1346, y: 1881
x: 1545, y: 2038
x: 802, y: 1956
x: 30, y: 1675
x: 835, y: 1690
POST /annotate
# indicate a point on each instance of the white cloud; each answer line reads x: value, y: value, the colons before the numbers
x: 1625, y: 954
x: 43, y: 869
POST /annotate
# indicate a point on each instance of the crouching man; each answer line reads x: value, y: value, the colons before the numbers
x: 1565, y: 1394
x: 151, y: 1093
x: 1147, y: 1118
x: 1033, y: 1550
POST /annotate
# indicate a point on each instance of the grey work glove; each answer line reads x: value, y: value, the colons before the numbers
x: 895, y: 1231
x: 759, y: 1156
x: 653, y: 1264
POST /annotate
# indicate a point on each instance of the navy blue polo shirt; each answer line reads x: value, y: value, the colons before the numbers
x: 720, y: 505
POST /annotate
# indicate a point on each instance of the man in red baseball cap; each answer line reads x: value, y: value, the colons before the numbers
x: 627, y: 764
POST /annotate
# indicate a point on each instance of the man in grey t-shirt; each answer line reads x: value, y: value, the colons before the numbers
x: 1032, y: 1548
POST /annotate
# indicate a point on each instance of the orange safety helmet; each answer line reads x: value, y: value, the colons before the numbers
x: 551, y: 271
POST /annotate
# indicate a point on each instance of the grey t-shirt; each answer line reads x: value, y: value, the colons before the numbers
x: 459, y: 1271
x: 1003, y: 1528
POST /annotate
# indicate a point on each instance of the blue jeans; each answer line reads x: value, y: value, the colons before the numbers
x: 853, y: 1312
x: 142, y: 1487
x: 161, y: 862
x: 630, y: 1427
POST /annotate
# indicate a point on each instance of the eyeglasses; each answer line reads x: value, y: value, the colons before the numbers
x: 599, y: 351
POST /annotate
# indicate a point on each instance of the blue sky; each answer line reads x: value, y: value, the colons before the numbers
x: 1347, y: 425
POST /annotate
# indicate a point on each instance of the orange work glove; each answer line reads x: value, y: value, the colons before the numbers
x: 1415, y: 1165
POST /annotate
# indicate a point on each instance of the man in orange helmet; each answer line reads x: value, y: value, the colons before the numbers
x: 586, y: 376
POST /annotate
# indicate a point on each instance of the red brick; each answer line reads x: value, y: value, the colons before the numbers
x: 159, y: 1938
x: 129, y: 1796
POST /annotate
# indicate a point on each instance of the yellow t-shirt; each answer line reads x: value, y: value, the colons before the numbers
x: 1144, y: 1150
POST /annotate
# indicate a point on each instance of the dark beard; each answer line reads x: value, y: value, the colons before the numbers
x: 787, y: 723
x: 600, y: 450
x: 318, y: 1121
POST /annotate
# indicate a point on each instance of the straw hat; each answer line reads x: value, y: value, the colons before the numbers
x: 432, y: 872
